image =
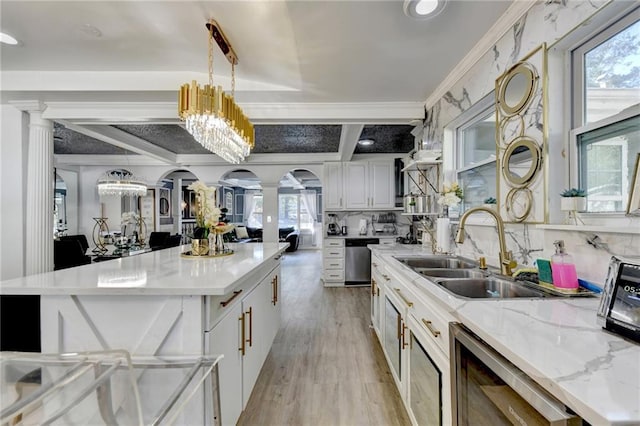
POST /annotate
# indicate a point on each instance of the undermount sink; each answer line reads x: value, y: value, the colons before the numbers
x: 450, y: 273
x: 446, y: 262
x: 489, y: 288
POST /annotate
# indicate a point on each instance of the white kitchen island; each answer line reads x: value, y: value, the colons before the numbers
x: 160, y: 303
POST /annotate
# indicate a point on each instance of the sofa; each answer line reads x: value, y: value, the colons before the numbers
x: 246, y: 234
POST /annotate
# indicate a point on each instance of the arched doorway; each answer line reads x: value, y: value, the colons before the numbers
x: 175, y: 204
x: 300, y: 206
x: 240, y: 192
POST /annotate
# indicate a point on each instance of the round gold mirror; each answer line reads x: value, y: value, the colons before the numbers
x: 517, y: 88
x: 511, y: 128
x: 521, y: 161
x: 518, y: 204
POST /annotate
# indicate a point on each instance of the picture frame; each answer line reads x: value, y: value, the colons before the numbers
x: 633, y: 205
x: 228, y: 200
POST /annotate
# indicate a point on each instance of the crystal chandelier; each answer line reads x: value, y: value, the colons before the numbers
x: 212, y: 116
x: 120, y: 183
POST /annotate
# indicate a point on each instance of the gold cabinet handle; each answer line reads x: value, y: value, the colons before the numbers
x: 224, y: 303
x: 373, y: 287
x: 429, y: 325
x: 404, y: 299
x: 242, y: 335
x: 386, y: 277
x: 274, y: 292
x: 404, y: 335
x: 276, y: 279
x: 250, y: 339
x: 399, y: 327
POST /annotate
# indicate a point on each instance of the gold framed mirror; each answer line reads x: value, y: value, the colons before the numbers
x: 521, y: 161
x: 516, y: 88
x: 519, y: 202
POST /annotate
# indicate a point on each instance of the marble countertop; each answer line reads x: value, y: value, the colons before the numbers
x: 161, y: 272
x: 558, y: 342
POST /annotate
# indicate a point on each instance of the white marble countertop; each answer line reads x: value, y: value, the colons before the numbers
x: 162, y: 272
x: 558, y: 342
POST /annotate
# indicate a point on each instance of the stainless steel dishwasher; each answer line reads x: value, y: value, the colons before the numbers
x: 357, y: 261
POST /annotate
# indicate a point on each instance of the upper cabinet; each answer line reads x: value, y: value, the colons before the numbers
x: 359, y: 185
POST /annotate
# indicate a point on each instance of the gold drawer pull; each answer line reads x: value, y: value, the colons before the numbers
x: 250, y: 339
x: 386, y: 277
x: 373, y: 287
x: 404, y: 299
x: 404, y: 329
x: 429, y: 325
x: 242, y: 335
x: 374, y: 264
x: 229, y: 300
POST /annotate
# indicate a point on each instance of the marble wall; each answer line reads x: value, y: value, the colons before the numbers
x: 547, y: 21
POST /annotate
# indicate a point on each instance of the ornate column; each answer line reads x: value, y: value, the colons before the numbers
x: 40, y: 184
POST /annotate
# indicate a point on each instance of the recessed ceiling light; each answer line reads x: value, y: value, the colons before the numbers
x: 423, y: 9
x: 366, y: 142
x: 7, y: 39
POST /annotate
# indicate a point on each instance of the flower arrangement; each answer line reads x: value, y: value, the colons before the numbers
x: 451, y: 195
x: 207, y: 214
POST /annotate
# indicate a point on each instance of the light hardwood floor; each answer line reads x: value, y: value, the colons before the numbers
x: 326, y: 366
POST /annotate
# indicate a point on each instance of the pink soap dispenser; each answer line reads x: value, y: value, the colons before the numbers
x: 563, y: 270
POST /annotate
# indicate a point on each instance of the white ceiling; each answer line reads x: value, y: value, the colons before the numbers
x: 348, y: 62
x: 289, y: 51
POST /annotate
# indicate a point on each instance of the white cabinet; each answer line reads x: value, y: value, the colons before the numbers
x: 359, y: 185
x: 332, y: 189
x: 244, y: 336
x: 377, y: 296
x: 333, y: 261
x: 225, y: 339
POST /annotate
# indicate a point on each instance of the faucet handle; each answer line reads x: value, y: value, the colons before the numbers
x: 483, y: 262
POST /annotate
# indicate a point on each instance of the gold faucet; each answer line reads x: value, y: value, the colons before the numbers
x: 506, y: 261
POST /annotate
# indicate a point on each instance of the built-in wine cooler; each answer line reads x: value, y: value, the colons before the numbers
x: 488, y: 390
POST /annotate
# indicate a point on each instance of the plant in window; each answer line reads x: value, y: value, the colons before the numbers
x: 573, y: 199
x: 490, y: 200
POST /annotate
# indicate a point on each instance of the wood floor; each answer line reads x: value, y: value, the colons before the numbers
x: 326, y: 366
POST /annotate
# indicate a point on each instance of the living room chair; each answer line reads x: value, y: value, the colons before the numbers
x: 68, y: 253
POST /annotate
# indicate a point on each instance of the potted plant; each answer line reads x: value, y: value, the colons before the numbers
x: 490, y: 202
x: 574, y: 199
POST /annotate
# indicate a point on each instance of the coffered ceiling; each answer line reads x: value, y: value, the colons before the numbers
x: 314, y: 76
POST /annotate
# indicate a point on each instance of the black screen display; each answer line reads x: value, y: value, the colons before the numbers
x: 625, y: 303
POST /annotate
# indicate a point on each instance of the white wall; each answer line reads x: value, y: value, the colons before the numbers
x: 550, y: 22
x: 14, y: 137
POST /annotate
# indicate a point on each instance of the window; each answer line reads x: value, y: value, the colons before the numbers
x: 294, y: 210
x: 253, y: 209
x: 475, y: 135
x: 606, y: 118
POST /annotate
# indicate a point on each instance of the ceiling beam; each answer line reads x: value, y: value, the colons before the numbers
x: 124, y: 140
x: 349, y: 140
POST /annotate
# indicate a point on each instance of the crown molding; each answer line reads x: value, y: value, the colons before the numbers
x: 105, y: 160
x: 259, y: 113
x: 516, y: 11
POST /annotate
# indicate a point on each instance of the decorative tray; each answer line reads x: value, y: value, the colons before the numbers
x: 225, y: 252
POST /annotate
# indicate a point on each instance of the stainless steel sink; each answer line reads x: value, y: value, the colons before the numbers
x: 447, y: 262
x: 489, y: 288
x: 450, y: 273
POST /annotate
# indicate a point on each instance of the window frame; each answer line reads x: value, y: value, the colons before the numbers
x: 578, y: 127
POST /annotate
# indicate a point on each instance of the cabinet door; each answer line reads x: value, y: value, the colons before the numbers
x: 356, y: 186
x: 255, y: 307
x: 225, y: 340
x: 274, y: 308
x: 332, y: 189
x: 381, y: 185
x: 392, y: 335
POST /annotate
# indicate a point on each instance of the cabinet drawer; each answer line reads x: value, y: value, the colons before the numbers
x: 334, y: 242
x: 334, y: 275
x: 435, y: 326
x: 334, y: 252
x: 333, y: 263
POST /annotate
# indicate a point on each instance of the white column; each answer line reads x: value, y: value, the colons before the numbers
x: 269, y: 212
x: 40, y: 181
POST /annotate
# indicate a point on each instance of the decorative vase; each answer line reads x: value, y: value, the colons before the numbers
x: 218, y: 243
x: 575, y: 204
x: 200, y: 246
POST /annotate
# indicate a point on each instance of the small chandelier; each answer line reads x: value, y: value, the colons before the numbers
x: 212, y: 116
x: 121, y: 183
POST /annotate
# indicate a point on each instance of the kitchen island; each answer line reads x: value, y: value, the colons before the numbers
x: 558, y: 342
x: 161, y: 303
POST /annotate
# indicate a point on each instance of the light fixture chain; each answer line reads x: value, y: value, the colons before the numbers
x: 211, y: 53
x: 233, y: 79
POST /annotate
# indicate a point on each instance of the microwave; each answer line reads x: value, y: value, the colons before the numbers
x: 619, y: 309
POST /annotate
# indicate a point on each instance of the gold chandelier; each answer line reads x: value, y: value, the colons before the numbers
x: 211, y: 116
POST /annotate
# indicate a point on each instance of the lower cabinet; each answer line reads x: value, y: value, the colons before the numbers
x: 414, y: 347
x: 244, y: 336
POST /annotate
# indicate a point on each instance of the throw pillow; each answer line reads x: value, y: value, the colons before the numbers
x: 241, y: 232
